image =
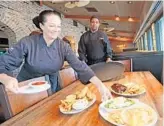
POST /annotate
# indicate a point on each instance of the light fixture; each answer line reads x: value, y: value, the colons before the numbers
x: 129, y: 2
x: 77, y: 3
x: 82, y: 3
x: 130, y: 19
x: 111, y: 2
x: 117, y: 18
x: 70, y: 5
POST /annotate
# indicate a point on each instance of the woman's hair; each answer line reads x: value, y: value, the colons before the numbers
x: 42, y: 17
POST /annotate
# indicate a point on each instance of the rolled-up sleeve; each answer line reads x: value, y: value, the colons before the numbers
x: 13, y: 58
x: 83, y: 70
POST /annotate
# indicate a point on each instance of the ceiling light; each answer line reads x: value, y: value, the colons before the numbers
x: 82, y: 3
x: 130, y: 19
x: 129, y: 2
x: 117, y: 18
x: 111, y: 2
x: 70, y: 5
x: 78, y: 3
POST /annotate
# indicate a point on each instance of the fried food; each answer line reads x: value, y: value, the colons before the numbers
x: 71, y: 98
x: 67, y: 104
x: 83, y: 93
x: 90, y: 95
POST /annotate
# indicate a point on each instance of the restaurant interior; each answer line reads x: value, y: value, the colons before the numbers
x: 135, y: 30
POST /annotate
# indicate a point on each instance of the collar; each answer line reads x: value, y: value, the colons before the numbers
x: 43, y: 42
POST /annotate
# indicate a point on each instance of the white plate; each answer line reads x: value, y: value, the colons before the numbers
x: 31, y: 90
x: 145, y: 107
x: 128, y: 95
x: 73, y: 111
x: 105, y: 113
x: 119, y: 105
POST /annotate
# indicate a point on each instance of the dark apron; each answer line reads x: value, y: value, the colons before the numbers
x: 100, y: 42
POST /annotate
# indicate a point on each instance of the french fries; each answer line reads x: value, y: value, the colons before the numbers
x: 133, y: 88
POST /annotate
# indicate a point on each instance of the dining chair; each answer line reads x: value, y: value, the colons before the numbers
x: 127, y: 63
x: 12, y: 104
x: 67, y: 76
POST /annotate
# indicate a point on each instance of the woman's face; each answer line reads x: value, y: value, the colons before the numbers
x: 52, y: 26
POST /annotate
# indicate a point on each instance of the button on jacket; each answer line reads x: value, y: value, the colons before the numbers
x: 40, y: 59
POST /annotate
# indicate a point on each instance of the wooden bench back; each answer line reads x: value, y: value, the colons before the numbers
x: 68, y: 76
x: 127, y: 64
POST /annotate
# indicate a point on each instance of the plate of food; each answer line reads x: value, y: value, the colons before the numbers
x: 77, y: 102
x: 34, y: 87
x: 114, y: 117
x: 118, y: 103
x: 128, y: 89
x: 139, y: 114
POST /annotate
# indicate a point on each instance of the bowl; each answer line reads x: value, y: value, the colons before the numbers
x: 37, y: 84
x: 80, y: 104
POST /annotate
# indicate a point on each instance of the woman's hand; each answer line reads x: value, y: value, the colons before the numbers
x: 104, y: 91
x: 10, y: 83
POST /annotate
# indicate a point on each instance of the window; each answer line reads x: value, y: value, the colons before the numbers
x: 150, y: 40
x: 159, y: 32
x: 154, y: 37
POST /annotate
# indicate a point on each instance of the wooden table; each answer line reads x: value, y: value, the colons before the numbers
x: 46, y: 112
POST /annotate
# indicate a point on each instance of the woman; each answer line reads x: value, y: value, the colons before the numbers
x: 44, y: 54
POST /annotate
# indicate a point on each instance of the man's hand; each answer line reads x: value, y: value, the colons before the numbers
x: 108, y: 60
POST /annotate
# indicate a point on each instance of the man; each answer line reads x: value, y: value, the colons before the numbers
x: 94, y: 46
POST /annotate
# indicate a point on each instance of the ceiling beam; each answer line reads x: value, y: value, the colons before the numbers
x: 112, y: 18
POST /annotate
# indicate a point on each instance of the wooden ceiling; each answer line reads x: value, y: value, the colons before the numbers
x: 123, y: 29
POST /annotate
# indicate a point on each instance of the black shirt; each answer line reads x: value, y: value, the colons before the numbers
x: 39, y: 59
x: 94, y: 45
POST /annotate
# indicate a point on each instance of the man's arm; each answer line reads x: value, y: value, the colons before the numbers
x: 82, y: 49
x: 108, y: 48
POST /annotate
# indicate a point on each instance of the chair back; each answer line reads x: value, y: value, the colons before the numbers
x: 68, y: 76
x: 127, y: 63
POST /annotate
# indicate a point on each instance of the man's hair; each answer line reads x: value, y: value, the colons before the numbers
x: 94, y: 16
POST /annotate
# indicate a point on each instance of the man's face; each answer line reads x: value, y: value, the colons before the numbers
x: 94, y: 24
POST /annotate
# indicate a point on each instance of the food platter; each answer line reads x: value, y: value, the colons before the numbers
x: 77, y: 102
x: 139, y: 113
x: 131, y: 90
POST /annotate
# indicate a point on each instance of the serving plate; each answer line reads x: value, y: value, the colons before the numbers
x: 74, y: 111
x: 142, y: 91
x: 120, y: 118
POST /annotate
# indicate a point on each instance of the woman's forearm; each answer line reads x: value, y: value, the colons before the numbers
x: 96, y: 81
x: 104, y: 91
x: 3, y: 78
